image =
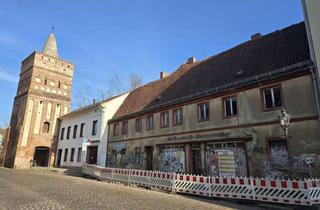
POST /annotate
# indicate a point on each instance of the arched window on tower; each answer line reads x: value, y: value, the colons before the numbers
x: 46, y: 127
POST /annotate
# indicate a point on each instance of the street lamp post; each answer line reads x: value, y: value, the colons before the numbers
x: 284, y: 118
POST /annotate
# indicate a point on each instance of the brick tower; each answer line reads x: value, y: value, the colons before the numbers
x: 43, y: 94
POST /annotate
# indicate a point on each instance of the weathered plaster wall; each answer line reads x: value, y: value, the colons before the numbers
x: 252, y: 123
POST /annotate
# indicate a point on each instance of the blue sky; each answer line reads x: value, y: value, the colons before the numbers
x: 125, y: 36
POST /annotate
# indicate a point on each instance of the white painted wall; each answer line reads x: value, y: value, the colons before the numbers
x: 87, y: 116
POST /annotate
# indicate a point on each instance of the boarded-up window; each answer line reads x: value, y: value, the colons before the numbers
x: 279, y: 153
x: 172, y: 158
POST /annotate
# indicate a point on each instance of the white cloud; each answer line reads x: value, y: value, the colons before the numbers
x: 4, y: 76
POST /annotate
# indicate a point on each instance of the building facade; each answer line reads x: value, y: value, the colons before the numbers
x: 83, y: 134
x: 43, y: 95
x: 223, y: 116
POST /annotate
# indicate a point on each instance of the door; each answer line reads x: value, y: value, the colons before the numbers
x: 59, y: 157
x: 92, y: 154
x: 149, y: 152
x: 196, y: 161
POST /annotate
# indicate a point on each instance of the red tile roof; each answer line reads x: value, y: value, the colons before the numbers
x: 276, y: 50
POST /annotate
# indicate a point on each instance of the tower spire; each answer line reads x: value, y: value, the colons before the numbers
x: 51, y: 47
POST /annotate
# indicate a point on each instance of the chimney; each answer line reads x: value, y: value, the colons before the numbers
x: 93, y: 101
x: 191, y: 60
x: 256, y: 36
x: 164, y: 74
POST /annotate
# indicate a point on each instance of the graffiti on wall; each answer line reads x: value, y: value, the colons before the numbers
x: 172, y: 159
x: 226, y: 160
x: 119, y: 156
x: 279, y: 153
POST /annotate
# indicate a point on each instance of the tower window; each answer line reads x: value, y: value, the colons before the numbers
x: 45, y: 82
x: 46, y: 127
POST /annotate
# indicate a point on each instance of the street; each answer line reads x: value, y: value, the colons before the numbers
x: 50, y: 190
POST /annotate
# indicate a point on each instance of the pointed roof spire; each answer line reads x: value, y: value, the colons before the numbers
x: 51, y: 47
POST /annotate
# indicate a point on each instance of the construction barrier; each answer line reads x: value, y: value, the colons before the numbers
x: 297, y: 192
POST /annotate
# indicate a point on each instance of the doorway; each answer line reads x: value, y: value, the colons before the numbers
x: 196, y: 160
x: 149, y: 152
x: 92, y: 154
x: 41, y: 156
x: 59, y: 157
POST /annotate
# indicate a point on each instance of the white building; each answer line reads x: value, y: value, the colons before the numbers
x: 83, y: 133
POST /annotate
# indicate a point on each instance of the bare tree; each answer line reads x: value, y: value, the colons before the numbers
x: 83, y: 96
x: 135, y: 81
x: 4, y: 121
x: 116, y: 84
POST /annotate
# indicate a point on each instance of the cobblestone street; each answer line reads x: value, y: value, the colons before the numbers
x: 49, y: 190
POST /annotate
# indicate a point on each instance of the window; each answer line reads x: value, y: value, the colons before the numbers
x: 203, y: 111
x: 79, y: 154
x: 46, y: 127
x: 123, y: 156
x: 139, y: 124
x: 124, y: 127
x: 278, y: 151
x: 94, y: 127
x: 62, y: 133
x: 68, y: 132
x: 177, y: 117
x: 149, y: 122
x: 75, y: 128
x: 164, y: 119
x: 81, y: 129
x: 72, y: 155
x: 115, y: 129
x: 272, y: 97
x: 230, y: 106
x: 65, y: 155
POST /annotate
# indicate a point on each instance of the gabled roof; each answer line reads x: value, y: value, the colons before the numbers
x: 90, y: 106
x: 259, y: 56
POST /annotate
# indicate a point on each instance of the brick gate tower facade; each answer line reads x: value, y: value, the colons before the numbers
x: 43, y: 95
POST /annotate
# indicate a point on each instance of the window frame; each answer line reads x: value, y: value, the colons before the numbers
x: 79, y: 154
x: 224, y: 113
x: 124, y: 131
x: 68, y: 132
x: 148, y: 127
x: 62, y: 133
x: 94, y: 128
x: 65, y: 157
x: 72, y: 154
x: 139, y: 122
x: 268, y: 148
x: 115, y: 131
x: 198, y: 111
x: 75, y: 131
x: 263, y: 100
x: 81, y: 129
x: 174, y: 117
x: 161, y: 116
